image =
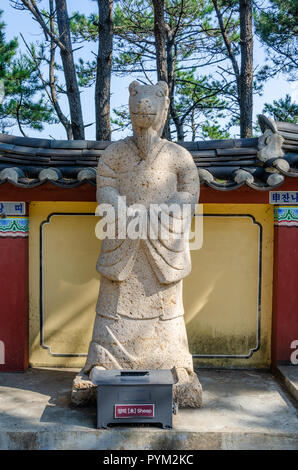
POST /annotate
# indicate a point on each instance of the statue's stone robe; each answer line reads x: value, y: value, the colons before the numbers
x: 139, y: 321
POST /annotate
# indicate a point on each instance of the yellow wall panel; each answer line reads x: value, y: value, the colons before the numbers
x: 65, y: 302
x: 227, y: 296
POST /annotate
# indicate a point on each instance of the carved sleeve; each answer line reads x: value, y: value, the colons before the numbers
x: 107, y: 184
x: 106, y: 174
x: 188, y: 178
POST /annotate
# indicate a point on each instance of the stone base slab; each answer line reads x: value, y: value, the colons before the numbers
x: 187, y: 392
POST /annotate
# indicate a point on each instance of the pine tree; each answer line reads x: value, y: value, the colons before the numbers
x: 282, y: 110
x: 189, y: 45
x: 55, y: 25
x: 22, y: 102
x: 277, y: 28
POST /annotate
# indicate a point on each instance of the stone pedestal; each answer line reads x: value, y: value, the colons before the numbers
x: 187, y: 393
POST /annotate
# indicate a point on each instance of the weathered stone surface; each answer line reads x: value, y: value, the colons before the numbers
x: 83, y: 390
x: 139, y: 322
x: 270, y: 146
x: 187, y: 392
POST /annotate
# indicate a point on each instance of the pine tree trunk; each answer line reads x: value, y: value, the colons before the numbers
x: 160, y: 34
x: 160, y: 40
x: 246, y: 70
x: 171, y: 59
x: 73, y: 94
x: 104, y: 69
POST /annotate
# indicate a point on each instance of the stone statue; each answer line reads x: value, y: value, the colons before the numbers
x: 139, y: 322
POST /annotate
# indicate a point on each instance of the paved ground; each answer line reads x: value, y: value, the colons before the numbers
x: 242, y: 410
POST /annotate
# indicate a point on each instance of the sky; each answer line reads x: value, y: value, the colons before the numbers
x: 21, y: 22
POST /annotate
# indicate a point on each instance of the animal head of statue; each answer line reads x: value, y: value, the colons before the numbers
x: 148, y: 105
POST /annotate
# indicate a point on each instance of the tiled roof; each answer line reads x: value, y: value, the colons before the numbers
x: 261, y: 163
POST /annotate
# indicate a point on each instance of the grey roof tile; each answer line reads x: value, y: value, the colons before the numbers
x: 223, y: 164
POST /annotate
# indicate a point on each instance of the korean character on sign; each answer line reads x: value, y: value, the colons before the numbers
x: 275, y: 197
x: 18, y: 207
x: 285, y: 197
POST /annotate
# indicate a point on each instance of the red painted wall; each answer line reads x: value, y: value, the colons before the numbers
x: 86, y: 192
x: 14, y: 302
x: 285, y: 297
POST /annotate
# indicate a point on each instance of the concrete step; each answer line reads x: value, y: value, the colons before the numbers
x: 289, y: 375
